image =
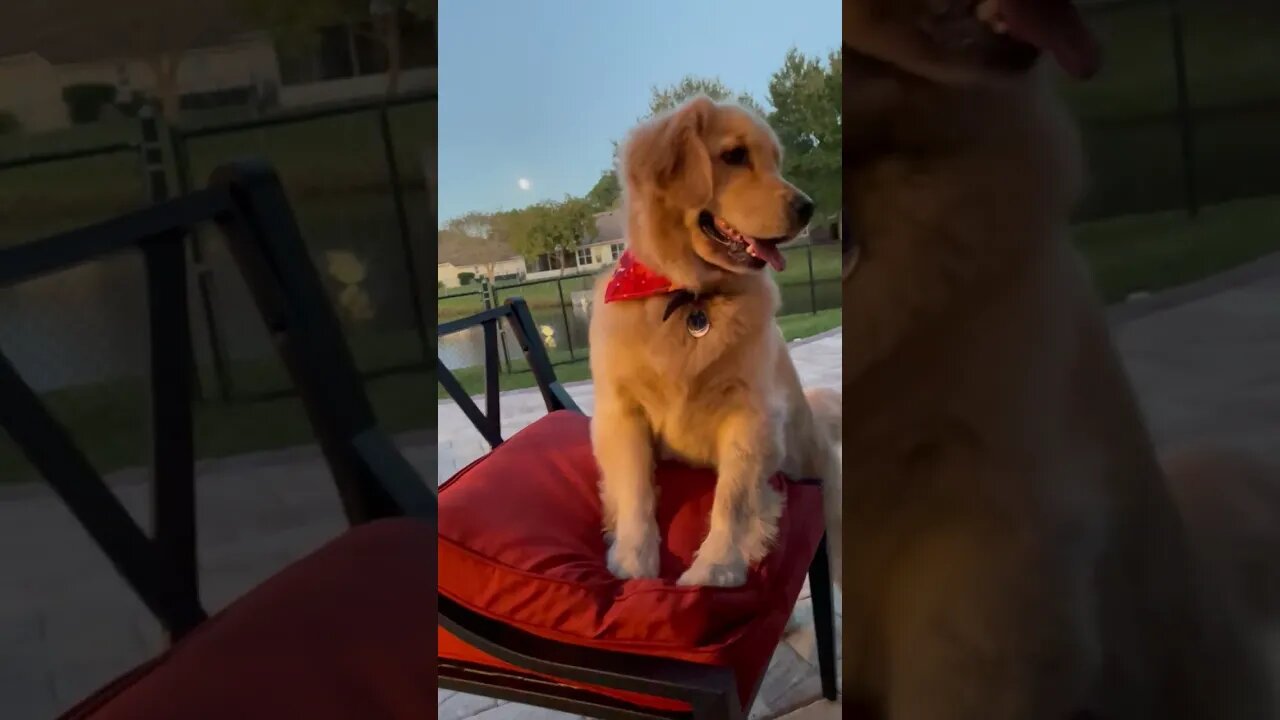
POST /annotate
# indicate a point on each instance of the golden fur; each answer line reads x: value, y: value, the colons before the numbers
x: 1013, y: 550
x: 731, y: 399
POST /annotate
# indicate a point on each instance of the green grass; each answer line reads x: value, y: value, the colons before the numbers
x: 806, y: 325
x: 1162, y: 250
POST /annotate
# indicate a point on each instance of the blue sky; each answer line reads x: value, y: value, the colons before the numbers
x: 537, y: 89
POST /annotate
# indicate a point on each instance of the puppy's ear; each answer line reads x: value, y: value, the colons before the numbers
x: 669, y: 156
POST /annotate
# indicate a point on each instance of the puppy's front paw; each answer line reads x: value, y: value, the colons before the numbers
x: 706, y: 572
x: 762, y: 530
x: 635, y: 559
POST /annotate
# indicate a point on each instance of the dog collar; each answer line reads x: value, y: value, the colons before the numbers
x: 633, y: 280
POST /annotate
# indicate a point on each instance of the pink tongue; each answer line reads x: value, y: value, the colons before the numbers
x: 1056, y: 27
x: 768, y: 252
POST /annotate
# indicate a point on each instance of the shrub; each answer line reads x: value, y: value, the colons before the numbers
x: 85, y: 100
x: 466, y: 277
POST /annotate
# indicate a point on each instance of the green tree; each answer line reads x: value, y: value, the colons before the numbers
x: 513, y: 227
x: 662, y: 99
x: 553, y: 228
x: 805, y: 94
x: 475, y: 237
x: 606, y: 194
x: 474, y: 224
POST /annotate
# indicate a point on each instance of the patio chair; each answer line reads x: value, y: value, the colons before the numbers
x: 530, y: 613
x: 342, y: 633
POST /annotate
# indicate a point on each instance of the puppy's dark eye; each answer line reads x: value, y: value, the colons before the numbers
x: 734, y: 156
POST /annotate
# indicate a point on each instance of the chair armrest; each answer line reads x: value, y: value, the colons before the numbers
x: 516, y: 311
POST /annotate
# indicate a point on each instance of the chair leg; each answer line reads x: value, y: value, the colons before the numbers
x: 824, y: 620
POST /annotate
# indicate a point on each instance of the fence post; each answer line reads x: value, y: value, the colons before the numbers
x: 502, y: 331
x: 1184, y: 107
x: 172, y: 492
x: 204, y: 275
x: 564, y: 315
x: 813, y: 285
x: 406, y: 241
x: 156, y: 182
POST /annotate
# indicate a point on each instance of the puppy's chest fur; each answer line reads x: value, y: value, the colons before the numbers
x: 684, y: 419
x: 694, y: 384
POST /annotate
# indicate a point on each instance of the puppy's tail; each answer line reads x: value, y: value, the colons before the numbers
x: 825, y: 404
x: 1230, y: 503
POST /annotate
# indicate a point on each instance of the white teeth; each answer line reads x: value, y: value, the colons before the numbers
x: 730, y: 233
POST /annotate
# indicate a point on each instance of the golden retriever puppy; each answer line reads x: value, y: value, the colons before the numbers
x: 1013, y: 549
x: 687, y: 360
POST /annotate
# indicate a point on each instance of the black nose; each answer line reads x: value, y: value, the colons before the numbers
x: 802, y: 206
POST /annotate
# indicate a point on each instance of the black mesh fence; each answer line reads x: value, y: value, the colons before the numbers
x: 1185, y: 111
x: 357, y: 178
x: 561, y: 306
x: 360, y: 176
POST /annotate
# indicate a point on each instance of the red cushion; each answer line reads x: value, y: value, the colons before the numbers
x: 343, y: 633
x: 520, y: 542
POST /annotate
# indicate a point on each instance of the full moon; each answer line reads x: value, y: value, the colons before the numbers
x: 523, y: 183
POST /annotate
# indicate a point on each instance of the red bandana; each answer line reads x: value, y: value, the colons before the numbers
x: 633, y: 281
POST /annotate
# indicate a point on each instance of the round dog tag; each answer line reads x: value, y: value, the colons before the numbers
x: 698, y: 323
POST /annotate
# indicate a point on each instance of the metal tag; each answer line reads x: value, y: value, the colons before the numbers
x: 697, y: 323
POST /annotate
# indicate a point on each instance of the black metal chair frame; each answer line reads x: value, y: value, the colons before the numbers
x: 247, y: 202
x: 710, y: 691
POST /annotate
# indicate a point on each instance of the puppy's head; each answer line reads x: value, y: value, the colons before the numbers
x: 705, y: 180
x: 970, y: 41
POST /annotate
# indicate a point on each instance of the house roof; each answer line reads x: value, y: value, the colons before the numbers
x: 461, y: 249
x: 76, y: 31
x: 610, y: 228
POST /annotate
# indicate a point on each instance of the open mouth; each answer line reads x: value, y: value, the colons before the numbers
x: 741, y: 248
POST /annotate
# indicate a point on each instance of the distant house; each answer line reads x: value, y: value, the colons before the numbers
x: 47, y: 45
x: 599, y: 250
x: 450, y: 276
x: 459, y: 256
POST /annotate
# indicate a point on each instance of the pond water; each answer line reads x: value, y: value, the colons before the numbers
x: 466, y: 349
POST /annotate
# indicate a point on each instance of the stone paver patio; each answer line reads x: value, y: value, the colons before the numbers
x: 1206, y: 361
